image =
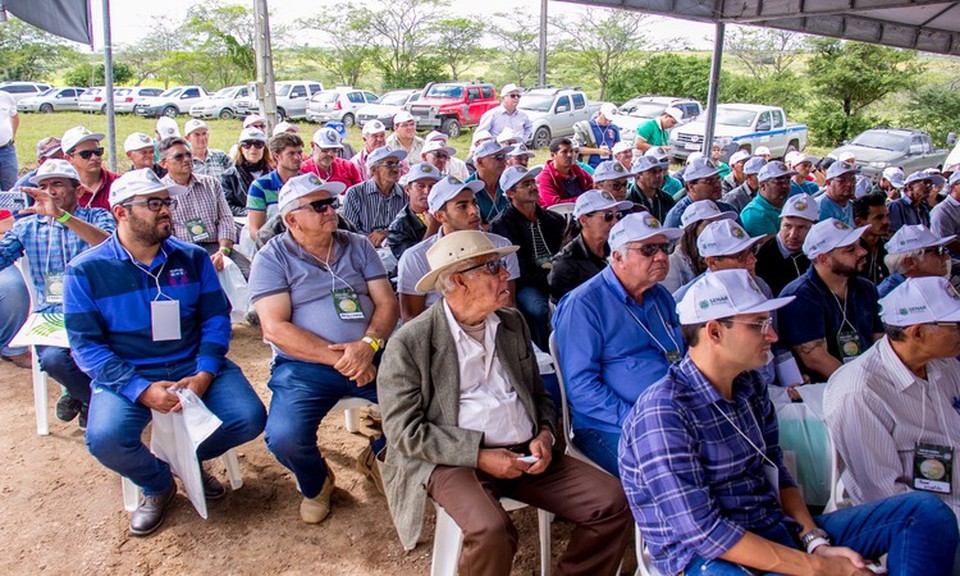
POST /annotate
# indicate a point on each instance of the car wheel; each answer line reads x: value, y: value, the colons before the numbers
x: 793, y: 146
x: 103, y: 109
x: 170, y: 112
x: 226, y: 114
x: 348, y: 119
x: 450, y: 127
x: 281, y: 114
x: 541, y: 138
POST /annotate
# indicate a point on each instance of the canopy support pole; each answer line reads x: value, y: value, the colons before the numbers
x: 714, y: 89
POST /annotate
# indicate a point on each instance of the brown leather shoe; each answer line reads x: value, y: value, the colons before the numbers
x: 314, y: 510
x: 151, y: 512
x: 367, y: 465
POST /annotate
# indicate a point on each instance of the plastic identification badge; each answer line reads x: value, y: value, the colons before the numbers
x: 673, y: 356
x: 198, y: 232
x: 933, y: 468
x: 772, y: 475
x: 53, y: 287
x: 165, y: 320
x: 848, y: 341
x: 347, y: 304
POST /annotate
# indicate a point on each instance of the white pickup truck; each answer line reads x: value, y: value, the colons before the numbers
x: 741, y: 126
x: 554, y: 111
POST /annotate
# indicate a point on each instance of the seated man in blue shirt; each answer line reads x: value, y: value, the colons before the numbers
x: 702, y: 181
x: 704, y: 473
x: 146, y: 316
x: 835, y: 316
x: 616, y: 334
x: 839, y: 191
x: 911, y: 207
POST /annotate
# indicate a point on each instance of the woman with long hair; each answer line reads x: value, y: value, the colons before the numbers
x: 685, y: 261
x: 251, y: 160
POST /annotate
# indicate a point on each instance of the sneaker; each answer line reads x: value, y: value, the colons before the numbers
x: 68, y: 408
x: 314, y: 510
x: 82, y: 418
x: 213, y: 489
x: 151, y: 512
x: 367, y: 465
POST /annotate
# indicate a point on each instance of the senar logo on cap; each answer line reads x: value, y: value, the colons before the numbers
x: 651, y: 221
x: 738, y: 232
x: 840, y: 225
x: 332, y: 136
x: 314, y: 180
x: 428, y: 168
x: 801, y: 205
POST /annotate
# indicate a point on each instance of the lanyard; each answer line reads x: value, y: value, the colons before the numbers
x: 325, y: 264
x: 63, y: 249
x: 843, y: 308
x: 745, y: 437
x: 676, y: 347
x: 156, y: 277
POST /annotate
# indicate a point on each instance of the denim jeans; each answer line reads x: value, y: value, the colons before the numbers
x: 115, y: 423
x: 917, y: 531
x: 59, y: 364
x: 8, y: 166
x: 534, y: 304
x: 14, y: 308
x: 600, y: 447
x: 303, y: 393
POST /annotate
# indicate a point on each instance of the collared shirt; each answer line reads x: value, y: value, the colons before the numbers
x: 659, y: 206
x: 341, y: 170
x: 263, y: 193
x: 760, y: 217
x: 830, y: 209
x: 413, y: 152
x: 490, y: 208
x: 608, y: 136
x: 653, y: 133
x: 202, y: 215
x: 903, y: 212
x: 612, y: 349
x: 100, y: 198
x: 413, y: 265
x: 889, y: 283
x: 107, y: 304
x: 282, y: 266
x: 694, y: 483
x: 806, y: 187
x: 875, y: 270
x: 739, y: 197
x: 574, y: 265
x: 496, y: 120
x: 538, y: 240
x: 365, y: 205
x: 215, y: 164
x: 876, y: 411
x: 778, y: 266
x: 945, y: 218
x: 673, y: 216
x: 49, y: 246
x: 672, y: 186
x: 817, y: 313
x: 488, y: 402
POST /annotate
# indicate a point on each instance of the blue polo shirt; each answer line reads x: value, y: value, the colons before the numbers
x: 760, y: 217
x: 807, y: 187
x: 607, y: 358
x: 816, y: 314
x: 609, y: 135
x: 674, y: 215
x: 830, y: 209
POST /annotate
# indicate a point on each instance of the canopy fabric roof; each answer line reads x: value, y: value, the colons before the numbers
x: 69, y: 19
x: 930, y: 26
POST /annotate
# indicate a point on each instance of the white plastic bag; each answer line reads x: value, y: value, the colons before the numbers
x: 175, y: 438
x: 236, y: 289
x: 804, y: 438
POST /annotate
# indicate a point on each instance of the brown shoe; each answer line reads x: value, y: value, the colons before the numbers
x: 151, y: 512
x: 314, y: 510
x: 20, y: 360
x: 367, y: 465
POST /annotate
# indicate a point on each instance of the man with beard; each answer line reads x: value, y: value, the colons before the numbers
x: 414, y: 222
x: 762, y: 214
x: 835, y: 314
x: 915, y: 252
x: 146, y: 318
x: 781, y: 260
x: 325, y: 162
x: 911, y: 208
x: 871, y: 211
x: 841, y: 187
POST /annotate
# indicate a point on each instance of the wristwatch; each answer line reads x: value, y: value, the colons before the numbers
x: 814, y: 539
x: 225, y: 250
x: 375, y: 343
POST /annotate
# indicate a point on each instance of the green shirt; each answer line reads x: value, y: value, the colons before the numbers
x: 760, y: 217
x: 673, y: 187
x: 653, y: 133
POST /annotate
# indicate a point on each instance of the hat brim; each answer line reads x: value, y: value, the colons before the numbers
x: 727, y: 215
x: 743, y: 245
x: 429, y: 280
x: 500, y: 150
x: 790, y: 173
x: 769, y: 306
x: 36, y: 179
x: 625, y: 205
x: 669, y: 233
x: 448, y: 149
x: 95, y: 136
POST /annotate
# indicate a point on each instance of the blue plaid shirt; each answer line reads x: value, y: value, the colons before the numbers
x: 49, y: 246
x: 695, y: 485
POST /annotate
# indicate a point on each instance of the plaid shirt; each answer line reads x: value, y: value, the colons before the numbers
x: 367, y: 207
x: 49, y: 246
x: 694, y: 483
x: 215, y: 165
x: 205, y: 202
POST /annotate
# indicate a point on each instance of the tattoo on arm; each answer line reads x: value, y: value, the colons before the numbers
x: 810, y: 347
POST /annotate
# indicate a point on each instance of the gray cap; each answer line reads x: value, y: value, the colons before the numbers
x: 610, y: 170
x: 838, y: 169
x: 447, y: 189
x: 419, y: 172
x: 700, y: 168
x: 490, y: 148
x: 384, y: 152
x: 644, y: 163
x: 514, y: 174
x: 753, y: 165
x: 774, y: 169
x: 917, y: 177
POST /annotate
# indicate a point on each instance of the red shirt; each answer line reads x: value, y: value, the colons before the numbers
x: 340, y: 171
x: 100, y: 198
x: 4, y: 214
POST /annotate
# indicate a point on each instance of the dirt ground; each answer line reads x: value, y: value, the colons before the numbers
x: 62, y: 512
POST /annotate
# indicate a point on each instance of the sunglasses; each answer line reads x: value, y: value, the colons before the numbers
x: 938, y: 250
x: 154, y: 204
x: 182, y: 156
x: 441, y: 155
x: 650, y: 250
x: 493, y: 267
x: 321, y: 206
x: 743, y: 255
x: 609, y: 216
x: 252, y: 144
x: 514, y: 96
x: 87, y: 154
x: 392, y: 164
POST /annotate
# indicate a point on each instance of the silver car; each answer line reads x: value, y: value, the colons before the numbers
x: 387, y: 106
x: 553, y: 112
x: 125, y: 99
x: 339, y: 104
x: 222, y: 104
x: 21, y: 90
x: 292, y: 99
x: 53, y: 99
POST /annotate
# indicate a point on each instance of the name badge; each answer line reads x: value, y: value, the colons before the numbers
x: 347, y: 304
x: 673, y: 356
x: 772, y: 475
x: 53, y: 287
x: 933, y: 468
x: 197, y: 231
x: 165, y: 320
x: 848, y: 342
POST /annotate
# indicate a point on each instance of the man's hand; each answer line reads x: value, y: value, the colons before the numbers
x: 377, y: 237
x: 367, y: 376
x: 217, y: 259
x: 198, y: 383
x: 160, y: 396
x: 44, y: 204
x: 433, y: 225
x: 542, y: 448
x: 841, y: 561
x: 501, y: 463
x: 357, y: 357
x: 604, y: 151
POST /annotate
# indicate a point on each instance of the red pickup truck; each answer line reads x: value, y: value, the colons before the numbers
x: 451, y: 106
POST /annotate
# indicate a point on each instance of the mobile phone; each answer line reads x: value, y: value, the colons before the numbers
x: 529, y: 459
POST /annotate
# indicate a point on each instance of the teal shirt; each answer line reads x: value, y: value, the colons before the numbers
x: 806, y: 187
x: 724, y: 169
x: 672, y: 186
x: 653, y: 133
x: 760, y: 217
x: 489, y: 209
x: 830, y: 209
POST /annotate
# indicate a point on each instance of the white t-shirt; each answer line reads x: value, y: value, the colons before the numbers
x: 8, y: 109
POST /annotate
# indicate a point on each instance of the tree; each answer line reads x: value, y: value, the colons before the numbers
x: 517, y: 35
x: 346, y: 54
x: 148, y: 57
x: 671, y: 74
x: 936, y: 109
x: 764, y: 52
x: 86, y: 75
x: 402, y: 31
x: 600, y: 43
x: 29, y: 53
x: 458, y: 43
x: 222, y: 37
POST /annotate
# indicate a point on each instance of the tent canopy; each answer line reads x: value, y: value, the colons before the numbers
x: 67, y: 18
x: 930, y: 26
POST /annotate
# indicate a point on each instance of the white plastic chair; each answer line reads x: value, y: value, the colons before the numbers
x: 131, y: 492
x: 40, y: 378
x: 448, y: 540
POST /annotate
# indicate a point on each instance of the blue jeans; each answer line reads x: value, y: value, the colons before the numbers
x: 59, y: 364
x: 599, y: 446
x: 115, y: 423
x: 534, y: 304
x: 14, y: 308
x: 303, y: 393
x: 8, y: 166
x: 917, y: 531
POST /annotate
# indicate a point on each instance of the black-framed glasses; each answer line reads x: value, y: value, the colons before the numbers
x: 154, y: 204
x: 499, y: 157
x: 650, y: 250
x: 763, y: 327
x: 87, y: 154
x: 321, y: 206
x: 391, y: 164
x: 492, y: 267
x: 609, y: 216
x: 252, y: 144
x: 744, y: 254
x: 513, y: 96
x: 617, y: 184
x: 938, y: 250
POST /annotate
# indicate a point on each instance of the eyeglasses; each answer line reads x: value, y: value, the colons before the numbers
x: 320, y: 206
x: 182, y: 156
x: 441, y: 155
x: 744, y: 254
x: 252, y: 144
x: 515, y: 96
x: 493, y: 267
x: 938, y: 250
x: 87, y: 154
x: 499, y: 157
x: 764, y: 326
x: 650, y: 250
x: 947, y: 324
x: 154, y: 204
x: 391, y: 164
x: 708, y: 181
x: 609, y: 216
x: 617, y: 184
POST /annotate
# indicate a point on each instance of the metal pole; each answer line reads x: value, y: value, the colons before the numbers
x: 108, y: 87
x: 714, y: 89
x: 542, y: 68
x: 265, y: 88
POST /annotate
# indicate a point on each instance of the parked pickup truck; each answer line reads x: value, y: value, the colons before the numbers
x: 878, y: 148
x: 742, y: 126
x: 451, y: 106
x: 554, y: 111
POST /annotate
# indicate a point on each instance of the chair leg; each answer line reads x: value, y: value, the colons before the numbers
x: 351, y: 420
x: 447, y: 540
x: 131, y: 494
x: 233, y: 469
x: 545, y: 518
x: 40, y: 394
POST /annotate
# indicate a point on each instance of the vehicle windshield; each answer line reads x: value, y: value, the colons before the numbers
x: 734, y: 117
x: 445, y: 91
x: 642, y: 109
x: 882, y: 140
x: 536, y: 102
x: 284, y: 89
x: 92, y: 91
x: 326, y: 97
x: 123, y: 91
x: 48, y: 91
x: 393, y: 98
x: 171, y: 93
x: 224, y: 92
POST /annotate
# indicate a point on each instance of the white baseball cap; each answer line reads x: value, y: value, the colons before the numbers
x: 520, y: 150
x: 922, y: 300
x: 846, y: 157
x: 481, y: 135
x: 302, y: 185
x: 55, y: 169
x: 373, y: 127
x: 419, y: 172
x: 401, y: 117
x: 754, y: 165
x: 285, y: 126
x: 609, y: 110
x: 192, y: 125
x: 723, y: 294
x: 514, y: 174
x: 637, y: 227
x: 437, y: 146
x: 138, y: 141
x: 510, y: 88
x: 774, y: 169
x: 74, y: 136
x: 659, y: 153
x: 799, y: 158
x: 611, y: 170
x: 435, y: 135
x: 801, y: 206
x: 674, y: 112
x: 327, y: 138
x: 915, y: 237
x: 253, y: 119
x: 739, y: 156
x: 384, y: 152
x: 828, y: 234
x: 167, y: 128
x: 894, y: 175
x: 140, y: 183
x: 596, y: 200
x: 252, y: 134
x: 621, y: 146
x: 762, y: 151
x: 508, y: 134
x: 724, y: 238
x: 704, y: 210
x: 447, y: 189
